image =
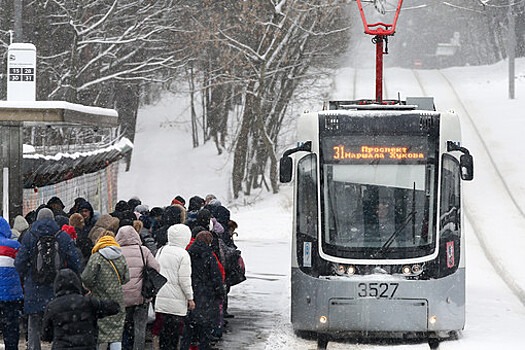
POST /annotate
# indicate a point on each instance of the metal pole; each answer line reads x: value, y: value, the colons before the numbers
x: 512, y: 52
x: 5, y: 197
x: 379, y: 69
x: 18, y: 27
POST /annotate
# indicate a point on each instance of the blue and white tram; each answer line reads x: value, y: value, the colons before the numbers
x: 378, y: 243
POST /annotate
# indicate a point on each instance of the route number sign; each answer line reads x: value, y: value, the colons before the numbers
x: 21, y: 72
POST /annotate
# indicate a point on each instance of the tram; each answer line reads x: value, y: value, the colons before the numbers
x: 378, y: 244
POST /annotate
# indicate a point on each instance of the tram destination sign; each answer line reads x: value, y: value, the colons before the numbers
x: 408, y: 151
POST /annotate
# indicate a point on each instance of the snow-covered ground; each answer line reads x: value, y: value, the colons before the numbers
x: 164, y: 164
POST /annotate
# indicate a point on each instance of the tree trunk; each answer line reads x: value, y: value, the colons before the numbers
x: 241, y: 147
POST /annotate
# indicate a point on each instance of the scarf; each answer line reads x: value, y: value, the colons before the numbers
x: 103, y: 242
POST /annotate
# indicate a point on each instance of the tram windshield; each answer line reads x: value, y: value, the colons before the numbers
x: 378, y: 198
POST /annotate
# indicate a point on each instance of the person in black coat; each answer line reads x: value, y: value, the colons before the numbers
x: 207, y: 286
x: 172, y: 215
x: 83, y: 242
x: 70, y: 320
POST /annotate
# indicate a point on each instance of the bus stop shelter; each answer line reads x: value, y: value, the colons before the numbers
x: 14, y: 115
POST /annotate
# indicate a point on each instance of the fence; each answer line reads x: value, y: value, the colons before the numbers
x: 99, y: 188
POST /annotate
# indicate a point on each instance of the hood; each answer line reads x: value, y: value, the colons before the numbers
x: 67, y: 282
x: 45, y: 227
x: 179, y: 235
x: 122, y: 206
x: 56, y: 200
x: 204, y: 219
x: 217, y: 227
x: 196, y: 203
x: 199, y: 249
x: 61, y: 220
x: 108, y: 222
x: 20, y: 223
x: 127, y: 235
x: 88, y: 206
x: 111, y: 252
x: 5, y: 229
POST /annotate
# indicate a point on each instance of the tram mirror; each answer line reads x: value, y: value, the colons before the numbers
x: 466, y: 163
x: 285, y: 169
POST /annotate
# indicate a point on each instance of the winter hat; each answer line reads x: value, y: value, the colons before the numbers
x: 178, y: 200
x: 133, y: 202
x: 126, y: 218
x: 156, y: 211
x: 45, y: 213
x: 122, y: 206
x: 204, y: 219
x: 174, y: 214
x: 141, y: 208
x: 70, y: 230
x: 214, y: 202
x: 61, y: 220
x: 196, y: 203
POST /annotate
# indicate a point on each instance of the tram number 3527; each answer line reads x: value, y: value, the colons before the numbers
x: 377, y: 290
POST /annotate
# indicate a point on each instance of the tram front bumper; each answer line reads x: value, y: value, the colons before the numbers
x: 334, y: 306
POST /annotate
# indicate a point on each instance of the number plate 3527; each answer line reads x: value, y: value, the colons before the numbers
x: 379, y: 290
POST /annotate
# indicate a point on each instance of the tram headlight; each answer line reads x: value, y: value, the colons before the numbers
x: 350, y: 270
x: 416, y: 269
x: 340, y: 270
x: 323, y: 319
x: 406, y: 270
x: 432, y: 319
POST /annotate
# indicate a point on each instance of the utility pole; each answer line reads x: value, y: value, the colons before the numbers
x: 18, y: 27
x: 511, y: 49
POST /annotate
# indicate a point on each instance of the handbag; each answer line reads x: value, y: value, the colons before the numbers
x: 152, y: 281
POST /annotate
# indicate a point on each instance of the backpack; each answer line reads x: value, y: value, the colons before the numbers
x: 46, y: 259
x: 236, y: 271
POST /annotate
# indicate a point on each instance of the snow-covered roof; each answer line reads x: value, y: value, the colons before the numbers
x: 42, y: 170
x: 61, y: 112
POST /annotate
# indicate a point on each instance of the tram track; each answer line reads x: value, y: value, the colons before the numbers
x: 485, y: 146
x: 465, y: 113
x: 502, y: 271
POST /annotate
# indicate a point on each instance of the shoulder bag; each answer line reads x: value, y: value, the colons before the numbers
x: 152, y: 281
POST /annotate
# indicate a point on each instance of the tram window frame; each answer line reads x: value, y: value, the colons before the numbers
x: 307, y: 196
x: 450, y: 201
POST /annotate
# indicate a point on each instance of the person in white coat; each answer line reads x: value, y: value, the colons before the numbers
x: 175, y: 298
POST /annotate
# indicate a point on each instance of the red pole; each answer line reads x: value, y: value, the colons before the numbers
x: 379, y: 69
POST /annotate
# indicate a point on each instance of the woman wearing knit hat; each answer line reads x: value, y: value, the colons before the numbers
x: 104, y: 275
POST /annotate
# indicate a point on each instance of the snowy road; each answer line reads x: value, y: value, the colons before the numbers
x: 495, y: 315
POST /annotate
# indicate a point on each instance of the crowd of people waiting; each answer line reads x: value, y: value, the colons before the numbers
x: 93, y: 299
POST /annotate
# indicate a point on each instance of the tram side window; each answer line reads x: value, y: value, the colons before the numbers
x: 307, y: 195
x: 450, y: 195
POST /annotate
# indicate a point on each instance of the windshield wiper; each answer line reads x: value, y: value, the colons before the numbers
x: 410, y: 216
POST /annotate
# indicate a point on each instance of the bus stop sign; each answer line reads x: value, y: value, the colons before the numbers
x: 21, y: 72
